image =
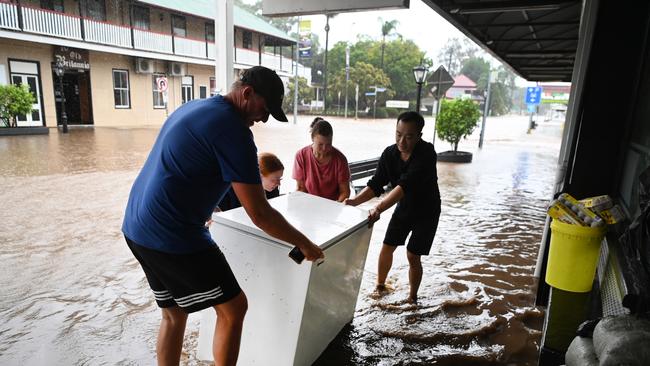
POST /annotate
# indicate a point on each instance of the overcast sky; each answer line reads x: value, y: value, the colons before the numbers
x: 419, y: 23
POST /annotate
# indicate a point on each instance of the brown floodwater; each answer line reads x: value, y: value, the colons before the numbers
x: 73, y: 294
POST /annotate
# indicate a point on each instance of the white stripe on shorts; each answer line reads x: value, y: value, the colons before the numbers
x: 199, y: 297
x: 162, y: 295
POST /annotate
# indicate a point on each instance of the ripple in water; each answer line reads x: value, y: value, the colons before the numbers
x: 73, y: 293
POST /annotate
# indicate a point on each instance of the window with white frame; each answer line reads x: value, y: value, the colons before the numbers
x: 158, y: 100
x: 209, y: 32
x: 187, y: 88
x: 121, y: 88
x: 179, y: 27
x: 141, y: 19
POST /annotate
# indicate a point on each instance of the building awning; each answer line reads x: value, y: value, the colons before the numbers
x: 207, y: 9
x: 537, y: 39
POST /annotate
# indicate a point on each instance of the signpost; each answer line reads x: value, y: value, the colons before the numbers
x: 374, y: 105
x: 441, y: 82
x: 402, y: 104
x: 162, y: 84
x: 533, y: 98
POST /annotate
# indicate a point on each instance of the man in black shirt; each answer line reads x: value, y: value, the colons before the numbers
x: 410, y: 167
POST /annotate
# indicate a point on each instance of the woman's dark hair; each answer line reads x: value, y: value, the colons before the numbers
x: 412, y: 117
x: 319, y: 126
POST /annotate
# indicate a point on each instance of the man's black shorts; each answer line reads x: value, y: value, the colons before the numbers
x: 422, y: 230
x: 193, y: 281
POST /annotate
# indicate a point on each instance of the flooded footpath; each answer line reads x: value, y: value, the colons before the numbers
x: 73, y: 294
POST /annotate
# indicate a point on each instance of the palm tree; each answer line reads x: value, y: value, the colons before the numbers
x: 386, y: 29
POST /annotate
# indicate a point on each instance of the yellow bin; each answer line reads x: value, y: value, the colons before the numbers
x: 573, y: 256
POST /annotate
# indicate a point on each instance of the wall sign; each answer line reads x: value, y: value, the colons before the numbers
x: 71, y: 58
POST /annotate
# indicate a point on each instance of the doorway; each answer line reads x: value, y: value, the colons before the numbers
x: 77, y: 97
x: 35, y: 118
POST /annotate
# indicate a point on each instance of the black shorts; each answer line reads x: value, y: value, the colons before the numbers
x: 422, y: 233
x: 193, y: 281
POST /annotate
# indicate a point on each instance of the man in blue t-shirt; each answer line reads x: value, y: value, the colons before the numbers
x: 204, y: 148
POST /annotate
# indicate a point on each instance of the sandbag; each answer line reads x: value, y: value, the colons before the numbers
x: 622, y: 340
x: 581, y: 353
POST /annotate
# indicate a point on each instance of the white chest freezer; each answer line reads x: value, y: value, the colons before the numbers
x: 294, y: 311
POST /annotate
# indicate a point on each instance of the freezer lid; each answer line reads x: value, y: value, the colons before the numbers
x: 323, y: 221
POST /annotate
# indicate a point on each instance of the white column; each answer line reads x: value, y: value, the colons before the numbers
x: 224, y: 44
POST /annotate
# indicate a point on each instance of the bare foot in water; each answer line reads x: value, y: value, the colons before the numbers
x: 380, y: 290
x: 412, y: 300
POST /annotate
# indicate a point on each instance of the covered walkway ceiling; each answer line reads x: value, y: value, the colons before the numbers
x: 538, y: 39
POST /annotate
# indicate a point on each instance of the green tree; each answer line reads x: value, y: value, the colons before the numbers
x: 458, y: 118
x: 503, y: 89
x: 14, y: 100
x: 304, y: 93
x: 386, y: 29
x: 366, y: 76
x: 477, y: 69
x: 401, y: 56
x: 454, y: 52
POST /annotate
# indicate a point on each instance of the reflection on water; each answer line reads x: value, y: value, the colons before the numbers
x: 73, y: 294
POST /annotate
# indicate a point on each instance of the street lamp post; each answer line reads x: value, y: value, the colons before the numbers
x: 327, y: 32
x: 419, y: 72
x: 59, y: 71
x: 347, y: 77
x: 486, y: 107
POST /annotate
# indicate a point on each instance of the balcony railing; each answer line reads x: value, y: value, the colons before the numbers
x: 51, y: 23
x: 245, y: 56
x: 212, y: 51
x: 152, y: 41
x: 107, y: 33
x: 57, y: 24
x: 8, y: 16
x: 189, y: 47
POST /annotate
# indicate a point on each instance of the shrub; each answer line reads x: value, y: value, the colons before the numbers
x: 458, y: 118
x: 14, y: 100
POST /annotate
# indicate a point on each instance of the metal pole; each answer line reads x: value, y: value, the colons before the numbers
x: 374, y: 105
x: 295, y: 86
x: 64, y: 116
x: 338, y: 112
x: 327, y: 33
x: 438, y: 103
x: 347, y: 77
x: 486, y: 110
x: 417, y: 104
x: 356, y: 104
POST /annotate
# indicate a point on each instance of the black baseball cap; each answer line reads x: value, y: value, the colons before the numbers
x: 269, y: 85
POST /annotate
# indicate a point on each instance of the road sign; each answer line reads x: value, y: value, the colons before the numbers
x: 533, y: 94
x: 532, y: 108
x: 370, y: 94
x: 161, y: 82
x: 404, y: 104
x: 440, y: 81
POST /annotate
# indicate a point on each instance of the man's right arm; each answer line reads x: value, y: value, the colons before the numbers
x: 268, y: 219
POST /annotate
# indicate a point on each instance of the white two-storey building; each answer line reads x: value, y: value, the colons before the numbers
x: 114, y: 51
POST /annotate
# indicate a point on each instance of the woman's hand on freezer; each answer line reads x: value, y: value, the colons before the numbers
x: 350, y: 202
